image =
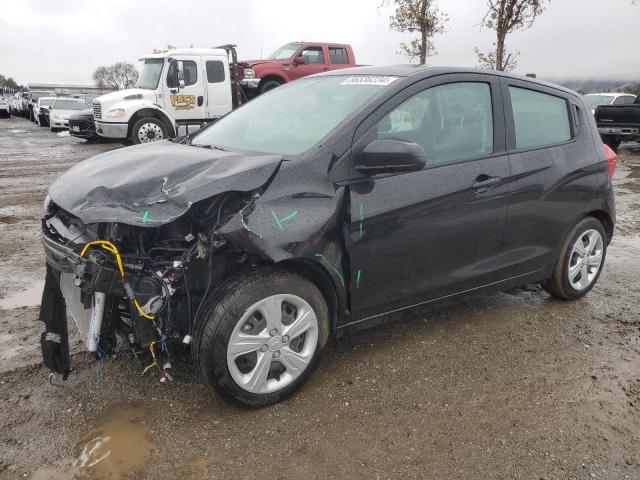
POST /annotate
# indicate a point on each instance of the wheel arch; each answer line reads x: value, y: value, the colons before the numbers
x: 605, y: 219
x: 151, y: 112
x: 317, y: 275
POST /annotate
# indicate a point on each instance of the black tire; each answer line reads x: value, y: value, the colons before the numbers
x: 225, y: 308
x: 558, y: 285
x: 133, y: 135
x: 270, y: 84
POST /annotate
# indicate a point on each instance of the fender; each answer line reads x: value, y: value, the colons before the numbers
x: 299, y: 218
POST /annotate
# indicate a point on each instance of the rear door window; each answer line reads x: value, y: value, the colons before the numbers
x: 540, y: 119
x: 452, y: 122
x: 338, y: 55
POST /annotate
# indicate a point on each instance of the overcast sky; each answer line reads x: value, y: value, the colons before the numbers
x: 63, y: 41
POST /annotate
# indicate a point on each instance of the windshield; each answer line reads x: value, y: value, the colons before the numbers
x: 289, y: 120
x: 284, y: 53
x: 69, y: 105
x: 150, y: 75
x: 46, y: 102
x: 594, y: 100
x: 37, y: 95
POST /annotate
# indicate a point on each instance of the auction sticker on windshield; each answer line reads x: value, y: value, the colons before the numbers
x: 369, y: 80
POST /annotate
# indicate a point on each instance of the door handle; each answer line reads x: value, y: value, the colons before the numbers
x: 200, y: 100
x: 484, y: 183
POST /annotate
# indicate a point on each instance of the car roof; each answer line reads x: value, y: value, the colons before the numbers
x: 420, y: 72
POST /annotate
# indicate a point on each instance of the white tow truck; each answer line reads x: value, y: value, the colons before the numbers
x: 178, y: 92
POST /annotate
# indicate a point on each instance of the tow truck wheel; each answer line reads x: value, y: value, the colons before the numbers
x: 147, y: 130
x: 261, y: 337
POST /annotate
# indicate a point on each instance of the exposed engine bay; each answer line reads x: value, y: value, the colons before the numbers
x: 145, y: 285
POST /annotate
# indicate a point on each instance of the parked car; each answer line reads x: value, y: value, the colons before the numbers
x: 23, y: 105
x: 60, y: 111
x: 594, y: 100
x: 619, y: 123
x: 14, y: 104
x: 33, y: 100
x: 294, y: 60
x: 178, y: 92
x: 81, y: 125
x: 5, y: 108
x: 41, y: 110
x: 319, y: 209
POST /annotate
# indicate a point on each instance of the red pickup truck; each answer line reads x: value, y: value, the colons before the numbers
x: 291, y: 61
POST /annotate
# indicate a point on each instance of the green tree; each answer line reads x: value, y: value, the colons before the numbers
x: 505, y: 17
x: 8, y: 83
x: 422, y: 17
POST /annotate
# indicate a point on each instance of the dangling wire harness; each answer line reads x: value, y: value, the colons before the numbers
x: 110, y: 247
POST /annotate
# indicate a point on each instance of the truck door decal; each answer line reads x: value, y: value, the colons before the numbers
x: 183, y: 102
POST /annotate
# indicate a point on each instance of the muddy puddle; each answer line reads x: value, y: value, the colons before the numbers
x: 112, y: 450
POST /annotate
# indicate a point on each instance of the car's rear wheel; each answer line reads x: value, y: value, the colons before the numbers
x: 581, y: 261
x: 261, y: 337
x: 147, y: 130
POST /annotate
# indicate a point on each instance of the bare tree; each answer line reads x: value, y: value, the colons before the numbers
x: 120, y: 76
x: 506, y: 16
x: 421, y: 16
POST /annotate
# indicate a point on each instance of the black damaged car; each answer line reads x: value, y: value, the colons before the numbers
x: 317, y: 209
x: 81, y: 125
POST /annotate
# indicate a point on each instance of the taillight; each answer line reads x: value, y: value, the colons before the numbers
x: 612, y: 160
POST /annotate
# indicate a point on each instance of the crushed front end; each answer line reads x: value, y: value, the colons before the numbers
x: 141, y: 284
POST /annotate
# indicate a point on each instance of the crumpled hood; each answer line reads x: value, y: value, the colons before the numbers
x: 153, y: 184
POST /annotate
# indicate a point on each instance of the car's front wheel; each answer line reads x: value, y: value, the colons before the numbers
x: 261, y: 337
x: 581, y: 261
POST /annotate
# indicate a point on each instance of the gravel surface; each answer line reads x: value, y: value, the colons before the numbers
x: 514, y: 385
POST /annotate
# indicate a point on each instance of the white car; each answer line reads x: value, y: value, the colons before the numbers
x: 45, y: 102
x: 61, y: 109
x: 5, y: 109
x: 594, y: 100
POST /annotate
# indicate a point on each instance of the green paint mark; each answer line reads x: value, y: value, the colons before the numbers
x: 332, y: 267
x: 358, y: 275
x: 361, y: 218
x: 280, y: 221
x: 145, y: 218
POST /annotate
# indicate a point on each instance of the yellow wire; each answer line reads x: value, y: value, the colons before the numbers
x: 153, y: 355
x: 110, y: 247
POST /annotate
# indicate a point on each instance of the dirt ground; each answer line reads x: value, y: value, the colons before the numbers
x: 514, y: 385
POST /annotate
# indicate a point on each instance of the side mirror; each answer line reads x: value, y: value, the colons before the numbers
x: 299, y: 60
x: 391, y: 156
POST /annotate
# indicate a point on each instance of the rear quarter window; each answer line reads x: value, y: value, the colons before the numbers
x: 540, y: 119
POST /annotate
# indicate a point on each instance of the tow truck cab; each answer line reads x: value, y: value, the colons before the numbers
x: 178, y: 92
